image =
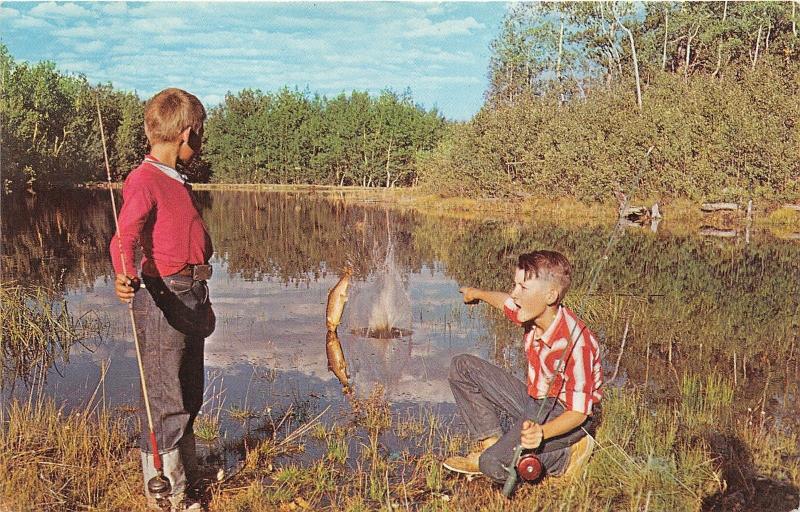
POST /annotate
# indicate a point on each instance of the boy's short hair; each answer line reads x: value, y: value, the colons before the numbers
x: 550, y: 265
x: 170, y: 112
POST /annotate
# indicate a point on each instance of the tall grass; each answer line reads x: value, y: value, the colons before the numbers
x: 50, y: 460
x: 37, y: 332
x: 651, y: 455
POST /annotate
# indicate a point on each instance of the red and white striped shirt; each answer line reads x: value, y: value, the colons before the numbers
x: 578, y: 387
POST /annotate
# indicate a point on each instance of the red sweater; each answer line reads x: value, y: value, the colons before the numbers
x: 158, y: 214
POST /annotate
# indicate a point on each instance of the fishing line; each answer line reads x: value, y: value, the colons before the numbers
x: 594, y: 274
x: 560, y: 367
x: 158, y: 486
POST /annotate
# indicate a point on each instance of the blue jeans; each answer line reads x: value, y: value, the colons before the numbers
x: 482, y: 391
x: 173, y: 316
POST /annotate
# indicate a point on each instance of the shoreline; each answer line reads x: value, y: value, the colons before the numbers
x: 680, y: 216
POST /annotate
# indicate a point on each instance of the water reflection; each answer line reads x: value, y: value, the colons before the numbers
x: 693, y: 303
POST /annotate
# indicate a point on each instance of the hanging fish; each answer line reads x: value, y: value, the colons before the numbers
x: 337, y: 296
x: 336, y: 361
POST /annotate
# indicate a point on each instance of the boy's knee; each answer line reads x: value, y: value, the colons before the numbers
x: 459, y: 366
x: 491, y: 466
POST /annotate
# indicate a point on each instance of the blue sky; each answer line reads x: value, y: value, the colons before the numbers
x: 438, y: 50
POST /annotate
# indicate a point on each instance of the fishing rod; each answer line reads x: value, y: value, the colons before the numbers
x: 159, y: 486
x: 531, y: 468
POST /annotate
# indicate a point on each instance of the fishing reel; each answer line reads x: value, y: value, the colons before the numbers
x: 529, y: 467
x: 526, y: 467
x: 159, y: 488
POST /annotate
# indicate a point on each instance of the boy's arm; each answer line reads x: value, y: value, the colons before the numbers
x: 494, y: 299
x: 533, y: 434
x: 136, y: 207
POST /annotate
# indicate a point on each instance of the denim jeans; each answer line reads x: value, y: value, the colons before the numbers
x: 173, y: 316
x: 482, y: 391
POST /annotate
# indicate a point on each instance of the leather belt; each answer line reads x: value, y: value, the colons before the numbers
x: 197, y: 272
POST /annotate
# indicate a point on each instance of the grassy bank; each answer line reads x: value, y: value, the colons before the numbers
x: 650, y: 455
x: 678, y: 213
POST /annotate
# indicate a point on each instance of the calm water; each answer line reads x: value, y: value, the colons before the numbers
x: 693, y: 304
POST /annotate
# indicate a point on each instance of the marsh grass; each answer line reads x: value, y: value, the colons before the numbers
x: 705, y: 404
x: 241, y: 414
x: 54, y: 461
x: 207, y: 428
x: 784, y: 217
x: 373, y: 411
x: 38, y: 331
x: 338, y: 447
x: 784, y: 222
x: 650, y: 455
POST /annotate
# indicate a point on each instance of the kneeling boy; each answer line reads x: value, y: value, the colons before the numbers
x: 558, y: 404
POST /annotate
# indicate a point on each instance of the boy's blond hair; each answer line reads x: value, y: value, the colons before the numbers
x: 170, y: 112
x: 550, y: 265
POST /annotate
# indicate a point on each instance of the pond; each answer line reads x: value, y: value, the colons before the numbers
x: 666, y: 306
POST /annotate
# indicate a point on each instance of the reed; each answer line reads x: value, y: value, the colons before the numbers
x: 338, y: 446
x: 650, y: 454
x: 53, y: 461
x: 38, y: 331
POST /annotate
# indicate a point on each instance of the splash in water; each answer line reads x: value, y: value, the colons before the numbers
x: 382, y: 308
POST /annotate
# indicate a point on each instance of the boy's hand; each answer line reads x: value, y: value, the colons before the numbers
x: 469, y: 295
x: 531, y: 436
x: 125, y: 287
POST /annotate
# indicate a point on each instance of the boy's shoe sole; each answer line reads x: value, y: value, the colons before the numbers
x: 463, y: 465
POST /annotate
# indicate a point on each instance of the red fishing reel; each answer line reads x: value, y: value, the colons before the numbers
x: 529, y: 467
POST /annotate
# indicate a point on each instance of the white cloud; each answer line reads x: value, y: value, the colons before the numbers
x: 74, y: 64
x: 113, y: 8
x: 6, y: 12
x: 429, y: 56
x: 90, y: 47
x: 231, y: 52
x: 29, y: 22
x: 298, y: 23
x: 426, y: 28
x: 161, y: 25
x: 79, y: 32
x: 373, y: 10
x: 212, y: 100
x: 435, y: 9
x: 58, y: 10
x: 150, y: 10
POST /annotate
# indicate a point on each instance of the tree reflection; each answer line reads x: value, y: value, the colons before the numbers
x: 685, y: 296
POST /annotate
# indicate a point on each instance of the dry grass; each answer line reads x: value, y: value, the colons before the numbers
x: 50, y: 460
x: 650, y: 456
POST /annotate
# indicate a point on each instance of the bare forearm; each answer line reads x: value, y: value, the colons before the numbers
x: 564, y: 423
x: 495, y: 299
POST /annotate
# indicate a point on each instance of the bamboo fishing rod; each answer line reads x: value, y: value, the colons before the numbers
x: 158, y: 486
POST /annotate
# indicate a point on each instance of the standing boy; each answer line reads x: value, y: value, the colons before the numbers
x: 173, y: 313
x: 558, y: 404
